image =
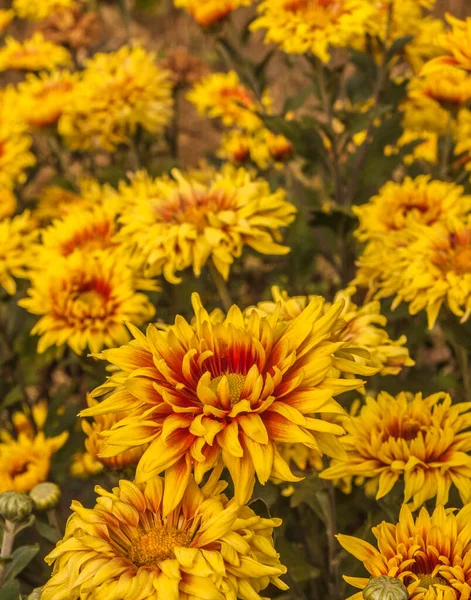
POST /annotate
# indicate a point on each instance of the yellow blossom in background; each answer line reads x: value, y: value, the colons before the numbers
x: 7, y: 203
x: 425, y: 149
x: 456, y: 45
x: 262, y: 147
x: 428, y: 554
x: 33, y: 54
x: 229, y: 388
x: 17, y: 237
x: 118, y: 93
x: 6, y: 17
x: 449, y: 86
x: 37, y: 10
x: 209, y: 12
x: 422, y: 442
x: 25, y: 459
x: 183, y: 222
x: 132, y: 546
x: 462, y: 135
x: 85, y: 300
x: 84, y: 465
x: 300, y: 26
x: 42, y: 97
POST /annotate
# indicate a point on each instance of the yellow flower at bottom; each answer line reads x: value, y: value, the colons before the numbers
x: 130, y: 547
x: 17, y: 236
x: 422, y: 441
x: 33, y: 54
x: 209, y: 12
x: 429, y: 554
x: 85, y: 301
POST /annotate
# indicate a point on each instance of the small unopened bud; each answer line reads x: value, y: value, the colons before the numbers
x: 385, y: 588
x: 45, y: 495
x: 35, y: 594
x: 15, y: 506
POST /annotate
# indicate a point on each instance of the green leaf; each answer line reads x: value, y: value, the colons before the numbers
x: 298, y: 100
x: 293, y: 557
x: 20, y: 559
x: 47, y: 532
x: 14, y: 395
x: 398, y: 46
x: 10, y: 591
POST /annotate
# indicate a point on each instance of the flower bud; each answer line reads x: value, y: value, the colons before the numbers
x: 45, y: 495
x: 385, y: 588
x: 15, y: 506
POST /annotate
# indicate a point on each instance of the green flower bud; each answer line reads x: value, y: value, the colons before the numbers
x: 45, y: 495
x: 35, y: 594
x: 15, y: 506
x: 385, y: 588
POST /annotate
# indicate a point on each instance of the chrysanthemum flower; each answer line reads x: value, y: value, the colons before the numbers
x: 420, y: 441
x: 462, y: 135
x: 428, y: 554
x: 6, y: 17
x: 85, y: 300
x: 456, y: 43
x: 33, y: 54
x: 182, y: 222
x: 7, y: 203
x: 17, y: 237
x: 43, y: 97
x: 301, y: 26
x: 118, y: 93
x: 37, y: 10
x: 262, y: 147
x: 209, y: 12
x: 84, y: 465
x: 232, y: 387
x: 449, y: 86
x: 25, y: 459
x: 132, y: 546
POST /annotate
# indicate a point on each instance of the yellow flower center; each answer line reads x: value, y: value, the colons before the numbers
x: 426, y: 581
x: 156, y: 545
x: 236, y: 383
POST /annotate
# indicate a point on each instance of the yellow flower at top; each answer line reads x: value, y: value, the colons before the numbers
x: 25, y: 460
x: 301, y: 26
x: 7, y: 203
x: 17, y: 237
x: 37, y: 10
x: 6, y: 17
x: 209, y: 12
x: 33, y: 54
x: 456, y: 44
x: 118, y: 93
x: 227, y: 388
x: 42, y: 97
x: 85, y: 300
x: 181, y: 222
x: 421, y: 442
x: 132, y: 546
x: 429, y: 554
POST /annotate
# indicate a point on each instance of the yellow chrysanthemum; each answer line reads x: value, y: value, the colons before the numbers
x: 85, y: 300
x: 449, y: 86
x: 33, y: 54
x: 420, y: 441
x: 7, y: 203
x: 133, y: 546
x: 462, y: 135
x: 37, y: 10
x: 118, y: 93
x: 430, y: 554
x: 84, y: 465
x: 301, y: 26
x: 6, y: 17
x: 230, y: 387
x: 43, y: 97
x: 456, y: 43
x: 426, y: 148
x: 209, y: 12
x: 25, y: 459
x: 182, y: 222
x: 262, y: 147
x: 17, y: 237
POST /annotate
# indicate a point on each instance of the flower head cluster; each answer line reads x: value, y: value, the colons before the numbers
x: 17, y: 237
x: 429, y: 554
x: 186, y: 221
x: 25, y: 458
x: 37, y: 10
x: 135, y: 543
x: 210, y: 12
x: 118, y: 92
x: 423, y: 442
x: 33, y: 54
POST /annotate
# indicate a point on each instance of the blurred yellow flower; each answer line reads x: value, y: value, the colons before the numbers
x: 422, y: 442
x: 132, y: 546
x: 456, y: 45
x: 7, y: 203
x: 17, y: 237
x: 449, y: 86
x: 209, y: 12
x: 118, y: 93
x: 227, y: 387
x: 33, y: 54
x: 84, y: 465
x: 182, y: 222
x: 428, y: 554
x: 6, y: 17
x: 85, y: 300
x: 37, y: 10
x: 301, y: 26
x: 25, y: 459
x: 462, y: 135
x: 262, y: 147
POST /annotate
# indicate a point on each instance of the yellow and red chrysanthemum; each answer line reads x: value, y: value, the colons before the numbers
x: 449, y: 86
x: 429, y: 554
x: 17, y: 237
x: 229, y: 388
x: 136, y: 544
x: 33, y: 54
x: 457, y: 45
x: 85, y: 300
x: 210, y: 12
x: 37, y: 10
x: 421, y: 441
x: 184, y: 222
x: 25, y: 458
x: 262, y: 147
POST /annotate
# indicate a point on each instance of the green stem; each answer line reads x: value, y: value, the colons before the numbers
x: 220, y: 286
x: 9, y: 531
x: 53, y: 520
x: 463, y: 364
x: 332, y: 546
x: 447, y: 146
